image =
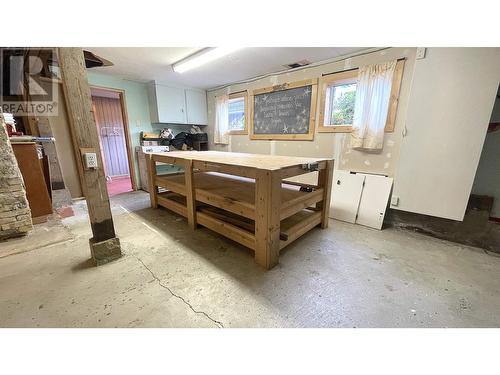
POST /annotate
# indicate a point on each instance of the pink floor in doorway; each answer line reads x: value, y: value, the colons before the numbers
x: 119, y: 185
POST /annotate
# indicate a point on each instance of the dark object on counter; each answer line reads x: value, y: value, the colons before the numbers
x: 200, y: 137
x: 167, y: 134
x: 181, y: 139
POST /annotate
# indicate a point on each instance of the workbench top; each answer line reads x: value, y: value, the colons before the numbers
x: 259, y: 161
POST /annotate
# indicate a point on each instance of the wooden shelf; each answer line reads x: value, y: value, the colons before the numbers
x: 239, y: 228
x: 237, y: 194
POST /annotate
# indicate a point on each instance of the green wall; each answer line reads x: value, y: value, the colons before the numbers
x: 136, y: 99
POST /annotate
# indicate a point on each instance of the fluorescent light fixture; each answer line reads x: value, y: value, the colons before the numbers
x: 203, y: 57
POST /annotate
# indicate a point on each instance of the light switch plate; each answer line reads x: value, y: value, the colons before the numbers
x: 420, y: 52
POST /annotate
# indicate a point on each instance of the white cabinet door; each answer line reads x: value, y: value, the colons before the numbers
x: 171, y: 102
x: 346, y: 195
x: 196, y: 105
x: 374, y: 199
x: 449, y: 108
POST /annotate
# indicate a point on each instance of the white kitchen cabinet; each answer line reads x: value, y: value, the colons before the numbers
x: 196, y: 105
x: 360, y: 198
x: 177, y: 105
x: 346, y: 195
x: 373, y: 202
x: 171, y: 104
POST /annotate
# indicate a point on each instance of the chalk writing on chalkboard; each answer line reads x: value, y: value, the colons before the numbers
x: 283, y: 112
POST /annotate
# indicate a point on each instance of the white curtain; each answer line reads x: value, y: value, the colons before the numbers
x: 221, y: 131
x: 373, y: 92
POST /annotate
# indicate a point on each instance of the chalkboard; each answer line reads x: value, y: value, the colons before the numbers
x: 284, y: 112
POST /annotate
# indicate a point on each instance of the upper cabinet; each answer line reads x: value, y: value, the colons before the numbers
x: 176, y: 105
x: 196, y: 105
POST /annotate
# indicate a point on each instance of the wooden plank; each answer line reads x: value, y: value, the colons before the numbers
x: 299, y: 170
x: 286, y: 86
x: 228, y: 230
x: 153, y: 189
x: 178, y: 208
x: 104, y: 244
x: 238, y: 207
x: 236, y: 220
x: 190, y: 193
x: 394, y: 98
x: 301, y: 225
x: 293, y: 206
x: 235, y: 159
x: 325, y: 181
x: 224, y: 168
x: 267, y: 220
x: 169, y: 184
x: 84, y: 134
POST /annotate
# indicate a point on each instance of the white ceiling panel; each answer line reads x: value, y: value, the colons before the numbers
x: 147, y: 64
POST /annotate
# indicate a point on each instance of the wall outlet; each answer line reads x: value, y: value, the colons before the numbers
x: 394, y: 200
x: 90, y: 159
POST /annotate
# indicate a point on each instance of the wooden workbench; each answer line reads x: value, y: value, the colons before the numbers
x: 244, y: 197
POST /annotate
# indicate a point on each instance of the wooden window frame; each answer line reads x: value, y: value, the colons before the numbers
x: 326, y: 82
x: 244, y: 95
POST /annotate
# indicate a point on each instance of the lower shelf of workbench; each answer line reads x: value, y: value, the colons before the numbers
x: 240, y: 228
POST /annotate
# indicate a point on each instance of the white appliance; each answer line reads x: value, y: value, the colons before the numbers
x: 141, y: 158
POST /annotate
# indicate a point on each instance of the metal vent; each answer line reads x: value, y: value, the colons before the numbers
x: 297, y: 64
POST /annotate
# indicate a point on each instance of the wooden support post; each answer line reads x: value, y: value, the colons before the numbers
x: 104, y: 244
x: 325, y: 181
x: 190, y: 193
x: 267, y: 220
x: 153, y: 189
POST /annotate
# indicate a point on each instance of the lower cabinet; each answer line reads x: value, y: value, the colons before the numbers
x: 360, y: 198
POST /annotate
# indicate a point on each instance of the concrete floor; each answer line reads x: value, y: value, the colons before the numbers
x: 170, y: 276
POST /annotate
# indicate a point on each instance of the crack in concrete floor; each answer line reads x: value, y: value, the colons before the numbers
x: 216, y: 322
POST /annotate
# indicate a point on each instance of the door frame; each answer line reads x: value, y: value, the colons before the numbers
x: 128, y: 142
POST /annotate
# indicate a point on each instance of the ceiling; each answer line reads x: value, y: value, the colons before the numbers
x: 147, y: 64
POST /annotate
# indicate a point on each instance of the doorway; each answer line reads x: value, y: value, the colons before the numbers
x: 486, y: 186
x: 112, y: 127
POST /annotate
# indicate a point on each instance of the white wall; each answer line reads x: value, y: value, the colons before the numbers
x: 334, y: 145
x: 450, y: 104
x: 445, y: 104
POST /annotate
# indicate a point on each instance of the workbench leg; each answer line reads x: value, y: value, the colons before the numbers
x: 325, y: 181
x: 190, y: 194
x: 153, y: 190
x: 267, y: 220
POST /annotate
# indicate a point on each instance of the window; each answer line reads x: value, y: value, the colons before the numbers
x: 237, y: 109
x: 338, y: 94
x: 337, y: 102
x: 341, y: 104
